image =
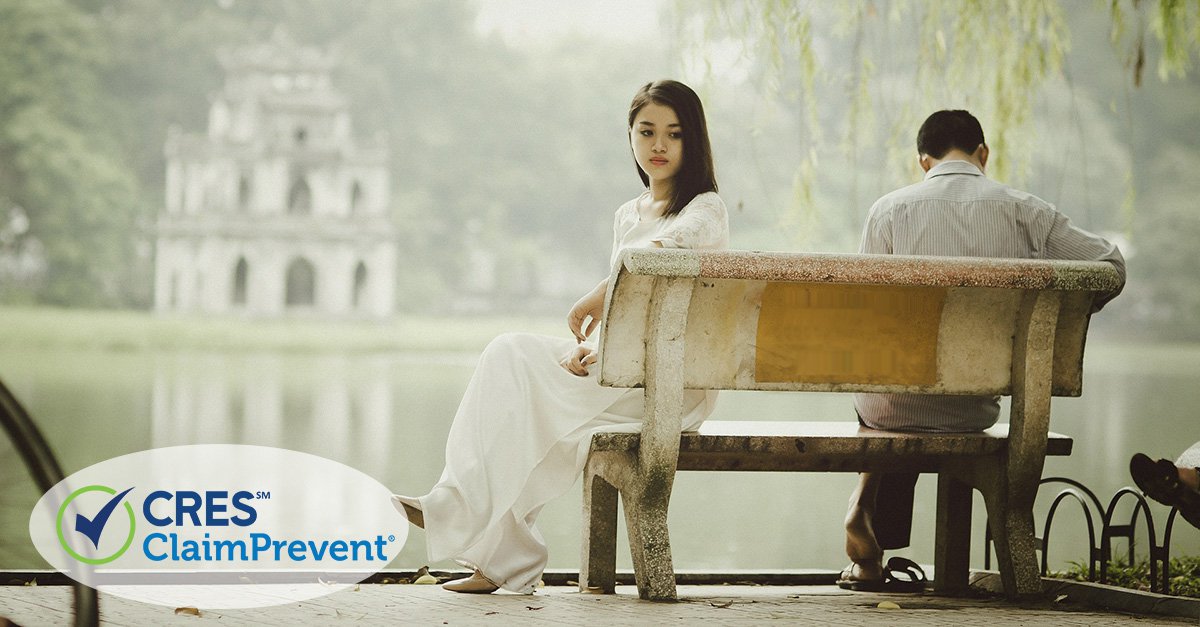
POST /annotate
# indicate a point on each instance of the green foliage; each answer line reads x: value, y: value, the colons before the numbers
x: 963, y: 54
x: 58, y: 157
x: 1175, y: 24
x: 994, y: 58
x: 1184, y: 575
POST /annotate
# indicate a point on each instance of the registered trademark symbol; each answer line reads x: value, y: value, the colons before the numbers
x: 391, y: 538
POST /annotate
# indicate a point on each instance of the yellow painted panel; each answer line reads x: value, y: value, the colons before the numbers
x: 828, y: 333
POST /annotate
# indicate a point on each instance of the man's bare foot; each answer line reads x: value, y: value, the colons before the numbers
x: 411, y: 509
x: 475, y: 584
x: 861, y: 546
x: 1189, y: 477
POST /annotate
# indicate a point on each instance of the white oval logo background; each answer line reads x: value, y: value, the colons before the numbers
x: 218, y: 526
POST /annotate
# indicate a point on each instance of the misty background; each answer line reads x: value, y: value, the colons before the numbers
x: 505, y: 129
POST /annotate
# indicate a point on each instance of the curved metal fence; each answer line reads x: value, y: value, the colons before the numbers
x: 46, y: 472
x: 1100, y: 552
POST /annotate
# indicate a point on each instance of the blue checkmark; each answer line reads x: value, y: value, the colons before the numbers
x: 94, y: 526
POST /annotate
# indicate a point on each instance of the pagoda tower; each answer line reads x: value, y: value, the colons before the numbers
x: 276, y: 210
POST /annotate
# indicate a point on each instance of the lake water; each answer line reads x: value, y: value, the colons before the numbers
x: 388, y: 414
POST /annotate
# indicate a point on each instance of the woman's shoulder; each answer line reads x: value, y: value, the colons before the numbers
x: 709, y: 201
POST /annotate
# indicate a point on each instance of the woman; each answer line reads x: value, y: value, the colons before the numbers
x: 521, y: 434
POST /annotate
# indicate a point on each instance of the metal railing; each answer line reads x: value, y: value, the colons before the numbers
x: 1100, y: 552
x: 46, y: 472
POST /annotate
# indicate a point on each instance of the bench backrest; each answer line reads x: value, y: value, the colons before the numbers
x: 826, y: 322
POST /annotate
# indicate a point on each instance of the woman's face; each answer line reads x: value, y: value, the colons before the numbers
x: 657, y: 141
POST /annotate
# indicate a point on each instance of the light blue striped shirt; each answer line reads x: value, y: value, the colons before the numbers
x: 958, y: 212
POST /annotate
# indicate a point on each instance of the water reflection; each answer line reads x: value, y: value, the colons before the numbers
x: 340, y: 406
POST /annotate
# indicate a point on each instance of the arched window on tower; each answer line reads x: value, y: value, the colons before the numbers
x: 300, y: 197
x: 243, y: 194
x: 356, y: 197
x: 360, y: 285
x: 301, y: 283
x: 239, y: 282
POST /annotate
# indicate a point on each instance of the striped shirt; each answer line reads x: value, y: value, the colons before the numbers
x: 957, y: 211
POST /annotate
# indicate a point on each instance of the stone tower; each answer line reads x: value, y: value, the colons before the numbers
x: 276, y: 210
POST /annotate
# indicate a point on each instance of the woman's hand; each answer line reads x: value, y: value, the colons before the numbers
x: 577, y: 361
x: 589, y: 310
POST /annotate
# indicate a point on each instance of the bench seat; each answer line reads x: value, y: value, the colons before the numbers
x: 823, y: 446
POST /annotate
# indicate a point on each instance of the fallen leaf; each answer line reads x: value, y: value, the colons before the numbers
x: 722, y: 605
x: 887, y: 605
x: 31, y: 582
x: 490, y: 613
x: 187, y: 611
x: 572, y: 583
x: 426, y: 580
x: 1060, y: 598
x: 530, y: 607
x: 356, y: 586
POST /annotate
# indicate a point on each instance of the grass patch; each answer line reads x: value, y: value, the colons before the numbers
x: 126, y: 330
x: 1184, y: 581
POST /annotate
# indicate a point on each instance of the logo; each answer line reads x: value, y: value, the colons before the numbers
x: 203, y: 525
x: 92, y: 528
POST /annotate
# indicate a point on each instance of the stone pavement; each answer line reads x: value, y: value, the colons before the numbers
x: 373, y: 604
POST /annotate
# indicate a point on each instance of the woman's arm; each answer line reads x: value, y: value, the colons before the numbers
x: 587, y: 309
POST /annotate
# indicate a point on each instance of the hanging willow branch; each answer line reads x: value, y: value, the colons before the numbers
x: 989, y: 56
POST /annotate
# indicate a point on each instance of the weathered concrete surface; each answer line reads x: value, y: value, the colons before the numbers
x: 708, y: 605
x: 874, y: 269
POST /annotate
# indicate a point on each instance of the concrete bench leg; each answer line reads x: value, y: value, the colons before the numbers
x: 650, y: 544
x: 952, y: 550
x: 1015, y: 542
x: 598, y: 566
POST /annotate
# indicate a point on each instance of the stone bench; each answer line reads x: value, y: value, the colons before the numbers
x: 736, y: 320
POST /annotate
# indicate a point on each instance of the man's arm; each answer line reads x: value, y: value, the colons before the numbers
x: 1067, y: 241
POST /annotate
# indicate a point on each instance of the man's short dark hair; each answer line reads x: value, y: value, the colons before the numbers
x: 945, y: 130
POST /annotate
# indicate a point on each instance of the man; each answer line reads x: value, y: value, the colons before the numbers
x: 954, y: 211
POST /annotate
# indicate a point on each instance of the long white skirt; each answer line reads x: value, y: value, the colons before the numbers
x: 520, y: 438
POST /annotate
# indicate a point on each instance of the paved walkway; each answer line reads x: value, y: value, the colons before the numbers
x: 560, y: 605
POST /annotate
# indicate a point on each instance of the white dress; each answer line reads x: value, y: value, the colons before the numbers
x: 522, y: 431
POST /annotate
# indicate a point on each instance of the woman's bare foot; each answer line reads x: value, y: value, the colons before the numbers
x: 475, y: 584
x: 411, y: 508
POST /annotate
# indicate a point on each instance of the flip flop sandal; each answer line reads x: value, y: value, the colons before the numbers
x: 903, y: 575
x: 1160, y: 481
x: 846, y: 582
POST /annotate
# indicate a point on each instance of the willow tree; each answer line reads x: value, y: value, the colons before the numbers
x: 993, y: 57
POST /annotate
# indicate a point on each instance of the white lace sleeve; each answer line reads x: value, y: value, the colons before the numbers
x: 703, y: 223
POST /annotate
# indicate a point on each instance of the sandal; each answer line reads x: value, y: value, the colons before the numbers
x: 477, y: 583
x: 846, y: 581
x: 903, y: 575
x: 1159, y: 480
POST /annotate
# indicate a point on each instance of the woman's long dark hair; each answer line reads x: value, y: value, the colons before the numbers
x: 696, y: 174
